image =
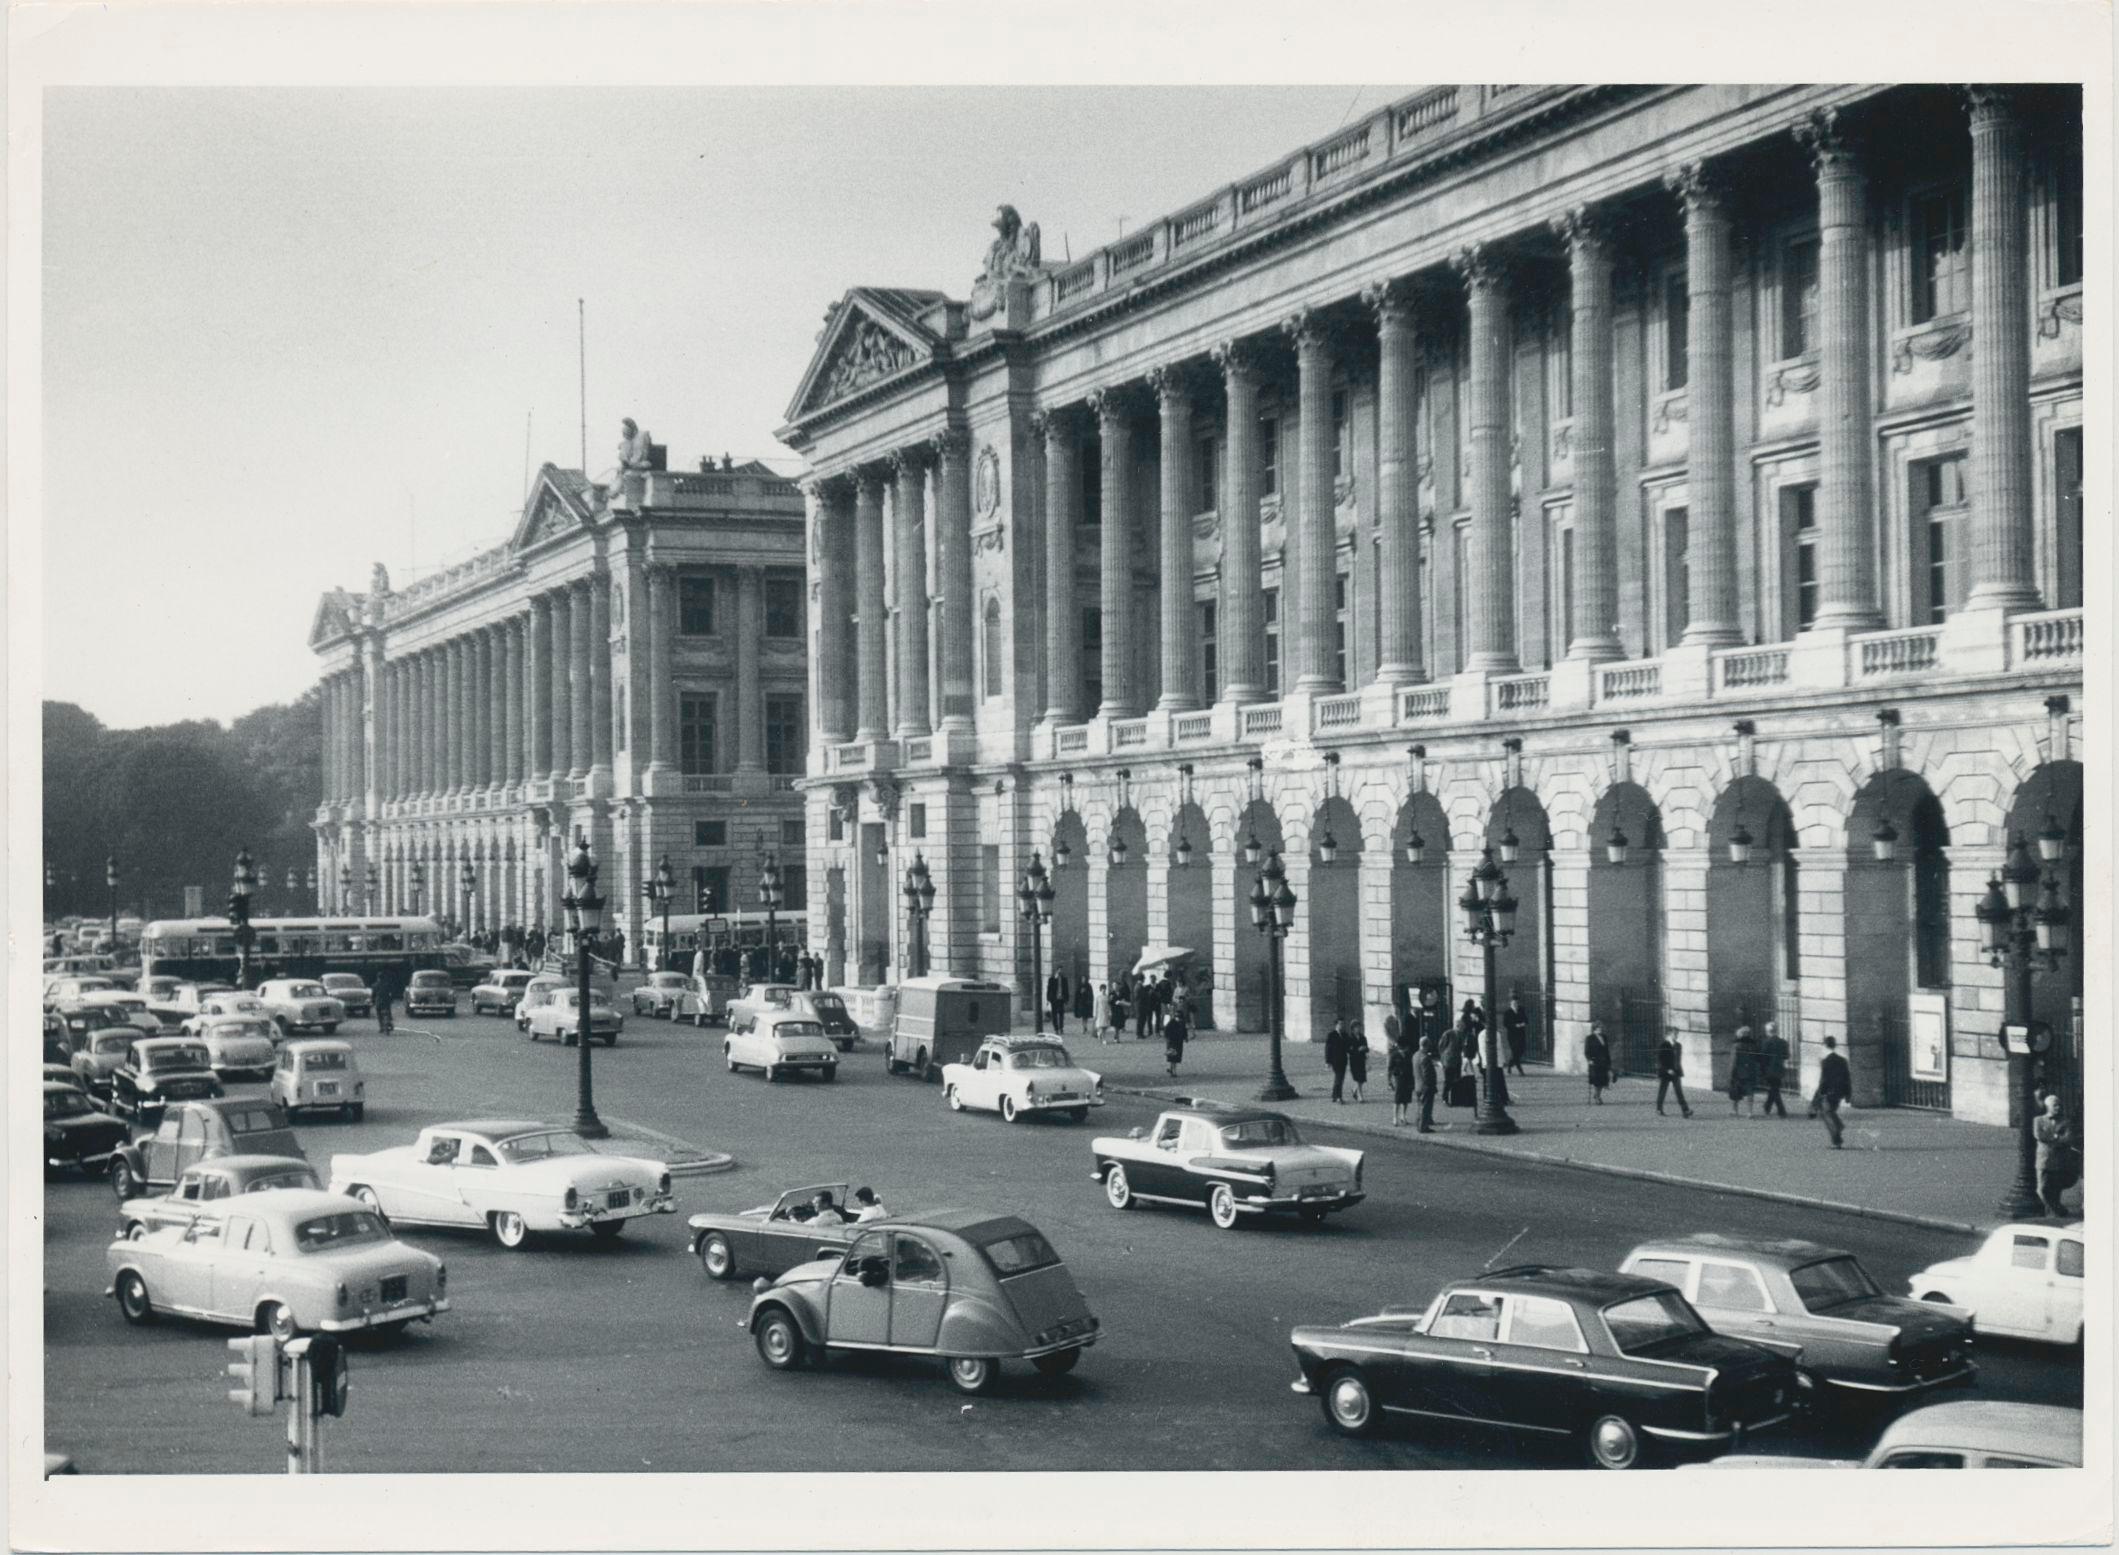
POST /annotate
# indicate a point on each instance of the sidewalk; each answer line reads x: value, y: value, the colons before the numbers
x: 1898, y: 1164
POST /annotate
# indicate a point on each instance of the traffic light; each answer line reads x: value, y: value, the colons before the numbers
x: 257, y: 1368
x: 329, y: 1379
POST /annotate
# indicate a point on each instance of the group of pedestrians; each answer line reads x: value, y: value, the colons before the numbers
x: 1154, y: 1006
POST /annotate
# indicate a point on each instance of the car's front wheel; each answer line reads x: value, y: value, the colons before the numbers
x: 780, y: 1342
x: 1348, y: 1405
x: 1614, y: 1443
x: 1008, y: 1112
x: 510, y: 1230
x: 123, y: 1182
x: 1078, y: 1114
x: 956, y: 1102
x: 716, y: 1256
x: 973, y: 1373
x: 133, y: 1300
x: 1221, y: 1206
x: 1118, y: 1192
x: 277, y: 1319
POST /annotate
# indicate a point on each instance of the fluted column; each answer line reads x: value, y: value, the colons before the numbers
x: 482, y: 772
x: 373, y: 723
x: 581, y: 621
x: 661, y: 584
x: 1180, y: 631
x: 959, y: 611
x: 511, y: 761
x: 831, y: 515
x: 1313, y: 622
x: 599, y: 591
x: 871, y: 658
x: 1710, y: 405
x: 1111, y: 407
x: 1063, y: 516
x: 1489, y: 595
x: 452, y: 715
x: 2002, y: 539
x: 1846, y: 520
x: 750, y: 695
x: 537, y: 690
x: 1398, y: 659
x: 416, y: 743
x: 1596, y: 577
x: 400, y: 711
x: 1240, y: 657
x: 562, y: 656
x: 493, y: 657
x: 908, y: 515
x: 326, y: 756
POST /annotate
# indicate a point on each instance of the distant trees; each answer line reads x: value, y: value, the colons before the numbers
x: 173, y: 804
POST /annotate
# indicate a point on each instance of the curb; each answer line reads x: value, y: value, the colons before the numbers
x: 703, y: 1163
x: 1635, y: 1173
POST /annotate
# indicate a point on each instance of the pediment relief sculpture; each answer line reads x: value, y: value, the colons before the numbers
x: 867, y: 354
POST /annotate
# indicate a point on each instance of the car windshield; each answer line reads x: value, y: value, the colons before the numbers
x: 68, y: 1103
x: 253, y: 1120
x: 349, y: 1228
x: 186, y: 1057
x: 1261, y: 1131
x: 670, y: 979
x: 241, y: 1028
x: 798, y: 1028
x: 292, y: 1177
x: 343, y: 980
x: 540, y: 1147
x: 1640, y: 1324
x: 106, y: 1043
x: 1019, y: 1254
x: 1040, y: 1058
x: 1831, y: 1282
x: 308, y: 991
x: 324, y: 1060
x: 430, y: 979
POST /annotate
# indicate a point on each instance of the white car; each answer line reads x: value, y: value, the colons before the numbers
x: 301, y: 1004
x: 779, y: 1042
x: 538, y: 990
x: 1016, y: 1075
x: 661, y: 994
x: 2026, y: 1282
x: 560, y: 1017
x: 239, y: 1045
x: 510, y: 1177
x: 65, y: 993
x: 227, y: 1006
x: 500, y: 993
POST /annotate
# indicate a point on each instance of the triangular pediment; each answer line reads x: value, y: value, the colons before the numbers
x: 559, y: 503
x: 337, y: 615
x: 871, y: 336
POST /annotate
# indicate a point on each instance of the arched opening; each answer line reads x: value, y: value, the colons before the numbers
x: 1754, y: 944
x: 1422, y: 904
x: 1334, y: 916
x: 1069, y: 860
x: 1897, y: 907
x: 1626, y: 925
x: 1257, y: 831
x: 1125, y: 891
x: 1518, y: 820
x: 2050, y: 800
x: 1191, y: 904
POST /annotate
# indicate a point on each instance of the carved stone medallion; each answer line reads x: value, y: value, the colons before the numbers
x: 986, y: 483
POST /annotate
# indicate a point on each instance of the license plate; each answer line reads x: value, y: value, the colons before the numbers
x: 394, y: 1288
x: 1319, y: 1191
x: 620, y: 1199
x: 327, y: 1087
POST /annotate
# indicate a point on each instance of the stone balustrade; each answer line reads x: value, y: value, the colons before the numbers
x: 1911, y: 651
x: 2046, y: 637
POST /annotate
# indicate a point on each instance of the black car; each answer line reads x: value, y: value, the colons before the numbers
x: 58, y: 1042
x: 1621, y: 1365
x: 160, y: 1070
x: 75, y: 1133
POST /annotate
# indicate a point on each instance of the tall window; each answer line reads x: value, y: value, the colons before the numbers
x: 2067, y: 220
x: 1206, y: 467
x: 1799, y: 551
x: 1799, y: 297
x: 1677, y: 574
x: 1209, y: 654
x: 2067, y: 494
x: 1931, y: 894
x: 786, y: 733
x: 990, y: 645
x: 618, y: 712
x: 1339, y: 627
x: 794, y: 832
x: 1268, y: 456
x: 1093, y: 656
x: 695, y: 605
x: 696, y: 747
x: 1272, y: 625
x: 709, y: 834
x: 1938, y: 513
x: 1340, y: 456
x: 1092, y: 486
x: 1560, y: 587
x: 1942, y: 263
x: 794, y: 886
x: 1677, y: 325
x: 783, y: 607
x: 990, y: 888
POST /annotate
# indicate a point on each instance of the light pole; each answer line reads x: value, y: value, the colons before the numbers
x: 110, y: 879
x: 919, y: 902
x: 294, y: 886
x: 1036, y: 896
x: 665, y: 886
x: 769, y: 895
x: 419, y: 888
x: 584, y: 910
x: 2021, y: 933
x: 315, y: 902
x: 1490, y: 922
x: 1273, y: 914
x: 468, y: 879
x: 239, y: 915
x: 369, y: 894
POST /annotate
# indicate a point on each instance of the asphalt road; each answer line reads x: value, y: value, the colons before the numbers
x: 572, y: 1355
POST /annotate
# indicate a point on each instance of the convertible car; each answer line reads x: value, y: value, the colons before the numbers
x: 1235, y: 1162
x: 511, y: 1177
x: 1621, y: 1364
x: 772, y: 1238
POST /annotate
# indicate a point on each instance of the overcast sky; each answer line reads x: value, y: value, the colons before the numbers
x: 293, y: 332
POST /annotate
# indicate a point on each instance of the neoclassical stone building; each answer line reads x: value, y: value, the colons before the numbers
x: 629, y: 664
x: 1683, y: 484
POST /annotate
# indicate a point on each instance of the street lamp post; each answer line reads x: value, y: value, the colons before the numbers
x: 919, y: 902
x: 1490, y: 922
x: 239, y: 915
x: 110, y: 879
x: 370, y: 890
x: 2022, y: 932
x: 584, y: 910
x: 769, y: 896
x: 419, y: 888
x: 315, y: 901
x: 665, y: 887
x: 467, y: 877
x: 1273, y: 914
x: 1036, y: 896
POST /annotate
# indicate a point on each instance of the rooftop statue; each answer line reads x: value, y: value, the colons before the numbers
x: 633, y: 447
x: 1014, y: 254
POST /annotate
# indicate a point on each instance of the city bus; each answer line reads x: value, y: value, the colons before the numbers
x: 741, y: 929
x: 203, y: 949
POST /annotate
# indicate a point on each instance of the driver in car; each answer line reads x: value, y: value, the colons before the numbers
x: 824, y: 1207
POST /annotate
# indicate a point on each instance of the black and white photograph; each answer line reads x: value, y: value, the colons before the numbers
x: 785, y: 750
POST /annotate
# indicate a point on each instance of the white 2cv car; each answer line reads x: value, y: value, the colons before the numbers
x: 512, y: 1178
x: 1015, y: 1075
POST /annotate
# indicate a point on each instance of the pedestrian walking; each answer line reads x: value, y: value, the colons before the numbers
x: 1424, y: 1083
x: 2059, y: 1158
x: 1773, y: 1070
x: 1670, y: 1074
x: 1144, y: 1010
x: 1596, y: 1055
x: 1451, y: 1053
x: 1398, y: 1069
x: 1516, y: 1026
x: 1835, y: 1083
x: 385, y: 1001
x: 1056, y: 1000
x: 1121, y: 1006
x: 1743, y: 1071
x: 1084, y: 1001
x: 1100, y: 1013
x: 1173, y: 1042
x: 1357, y: 1058
x: 1335, y: 1059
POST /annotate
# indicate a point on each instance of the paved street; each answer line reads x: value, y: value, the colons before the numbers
x: 572, y: 1355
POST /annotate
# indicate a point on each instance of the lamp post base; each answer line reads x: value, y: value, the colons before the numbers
x: 1277, y: 1089
x: 2021, y: 1202
x: 588, y: 1126
x: 1495, y: 1122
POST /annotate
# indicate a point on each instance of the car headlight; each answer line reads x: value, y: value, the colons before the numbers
x: 441, y: 1278
x: 344, y: 1295
x: 572, y: 1200
x: 663, y: 1184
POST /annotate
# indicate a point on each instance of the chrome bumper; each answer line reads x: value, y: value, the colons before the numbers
x: 403, y: 1312
x: 1733, y: 1435
x: 1962, y: 1377
x: 661, y: 1204
x: 1295, y: 1201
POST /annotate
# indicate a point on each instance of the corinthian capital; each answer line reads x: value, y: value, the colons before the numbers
x: 1236, y: 358
x: 1111, y: 404
x: 1584, y: 230
x: 1986, y: 104
x: 1829, y: 141
x: 910, y: 460
x: 1482, y: 267
x: 1697, y: 187
x: 951, y: 443
x: 1391, y: 301
x: 1306, y: 327
x: 1170, y: 383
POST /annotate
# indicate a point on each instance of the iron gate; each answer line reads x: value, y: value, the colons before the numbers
x: 1636, y: 1031
x: 1894, y: 1049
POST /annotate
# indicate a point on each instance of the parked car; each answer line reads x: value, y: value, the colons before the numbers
x: 2025, y: 1281
x: 58, y: 1041
x: 319, y: 1074
x: 202, y: 1187
x: 1858, y: 1343
x: 356, y: 996
x: 1965, y: 1433
x: 661, y: 994
x: 1236, y: 1163
x: 466, y: 965
x: 499, y: 992
x: 301, y: 1004
x: 430, y: 993
x: 229, y: 1005
x: 160, y: 1070
x: 778, y: 1043
x: 560, y: 1016
x: 178, y: 1004
x: 124, y: 1003
x: 99, y: 1057
x: 972, y: 1288
x: 772, y: 1238
x: 1620, y: 1364
x: 1015, y: 1076
x: 942, y: 1020
x: 511, y: 1177
x: 538, y: 990
x: 66, y: 993
x: 238, y: 1045
x: 158, y: 989
x: 287, y: 1262
x: 76, y: 1133
x: 195, y: 1131
x: 66, y: 1075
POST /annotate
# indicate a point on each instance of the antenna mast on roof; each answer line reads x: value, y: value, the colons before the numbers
x: 581, y: 342
x: 529, y: 421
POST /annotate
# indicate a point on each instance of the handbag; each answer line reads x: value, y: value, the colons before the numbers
x: 1464, y: 1091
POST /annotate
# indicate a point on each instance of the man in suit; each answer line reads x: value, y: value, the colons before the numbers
x: 1835, y: 1083
x: 1670, y: 1074
x: 1515, y: 1025
x: 1424, y: 1079
x: 1056, y: 1000
x: 1773, y: 1069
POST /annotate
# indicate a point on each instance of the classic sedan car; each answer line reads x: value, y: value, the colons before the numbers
x: 661, y: 994
x: 500, y: 992
x: 75, y: 1133
x: 1962, y: 1434
x: 1622, y: 1365
x: 773, y: 1238
x: 99, y: 1057
x: 301, y: 1004
x: 511, y: 1177
x: 1015, y: 1076
x: 157, y: 1071
x: 350, y: 991
x: 467, y: 965
x: 537, y: 991
x: 2026, y: 1281
x: 758, y: 999
x: 127, y: 1005
x: 228, y: 1005
x: 1858, y: 1343
x: 202, y: 1188
x: 66, y: 1075
x: 779, y: 1043
x: 286, y: 1262
x: 971, y: 1288
x: 195, y: 1131
x: 65, y: 994
x: 1237, y: 1162
x: 560, y: 1016
x: 430, y: 993
x: 239, y: 1045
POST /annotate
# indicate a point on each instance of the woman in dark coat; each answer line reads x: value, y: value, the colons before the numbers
x: 1335, y: 1059
x: 1597, y: 1052
x: 1400, y: 1070
x: 1743, y: 1071
x: 1173, y: 1041
x: 1357, y: 1058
